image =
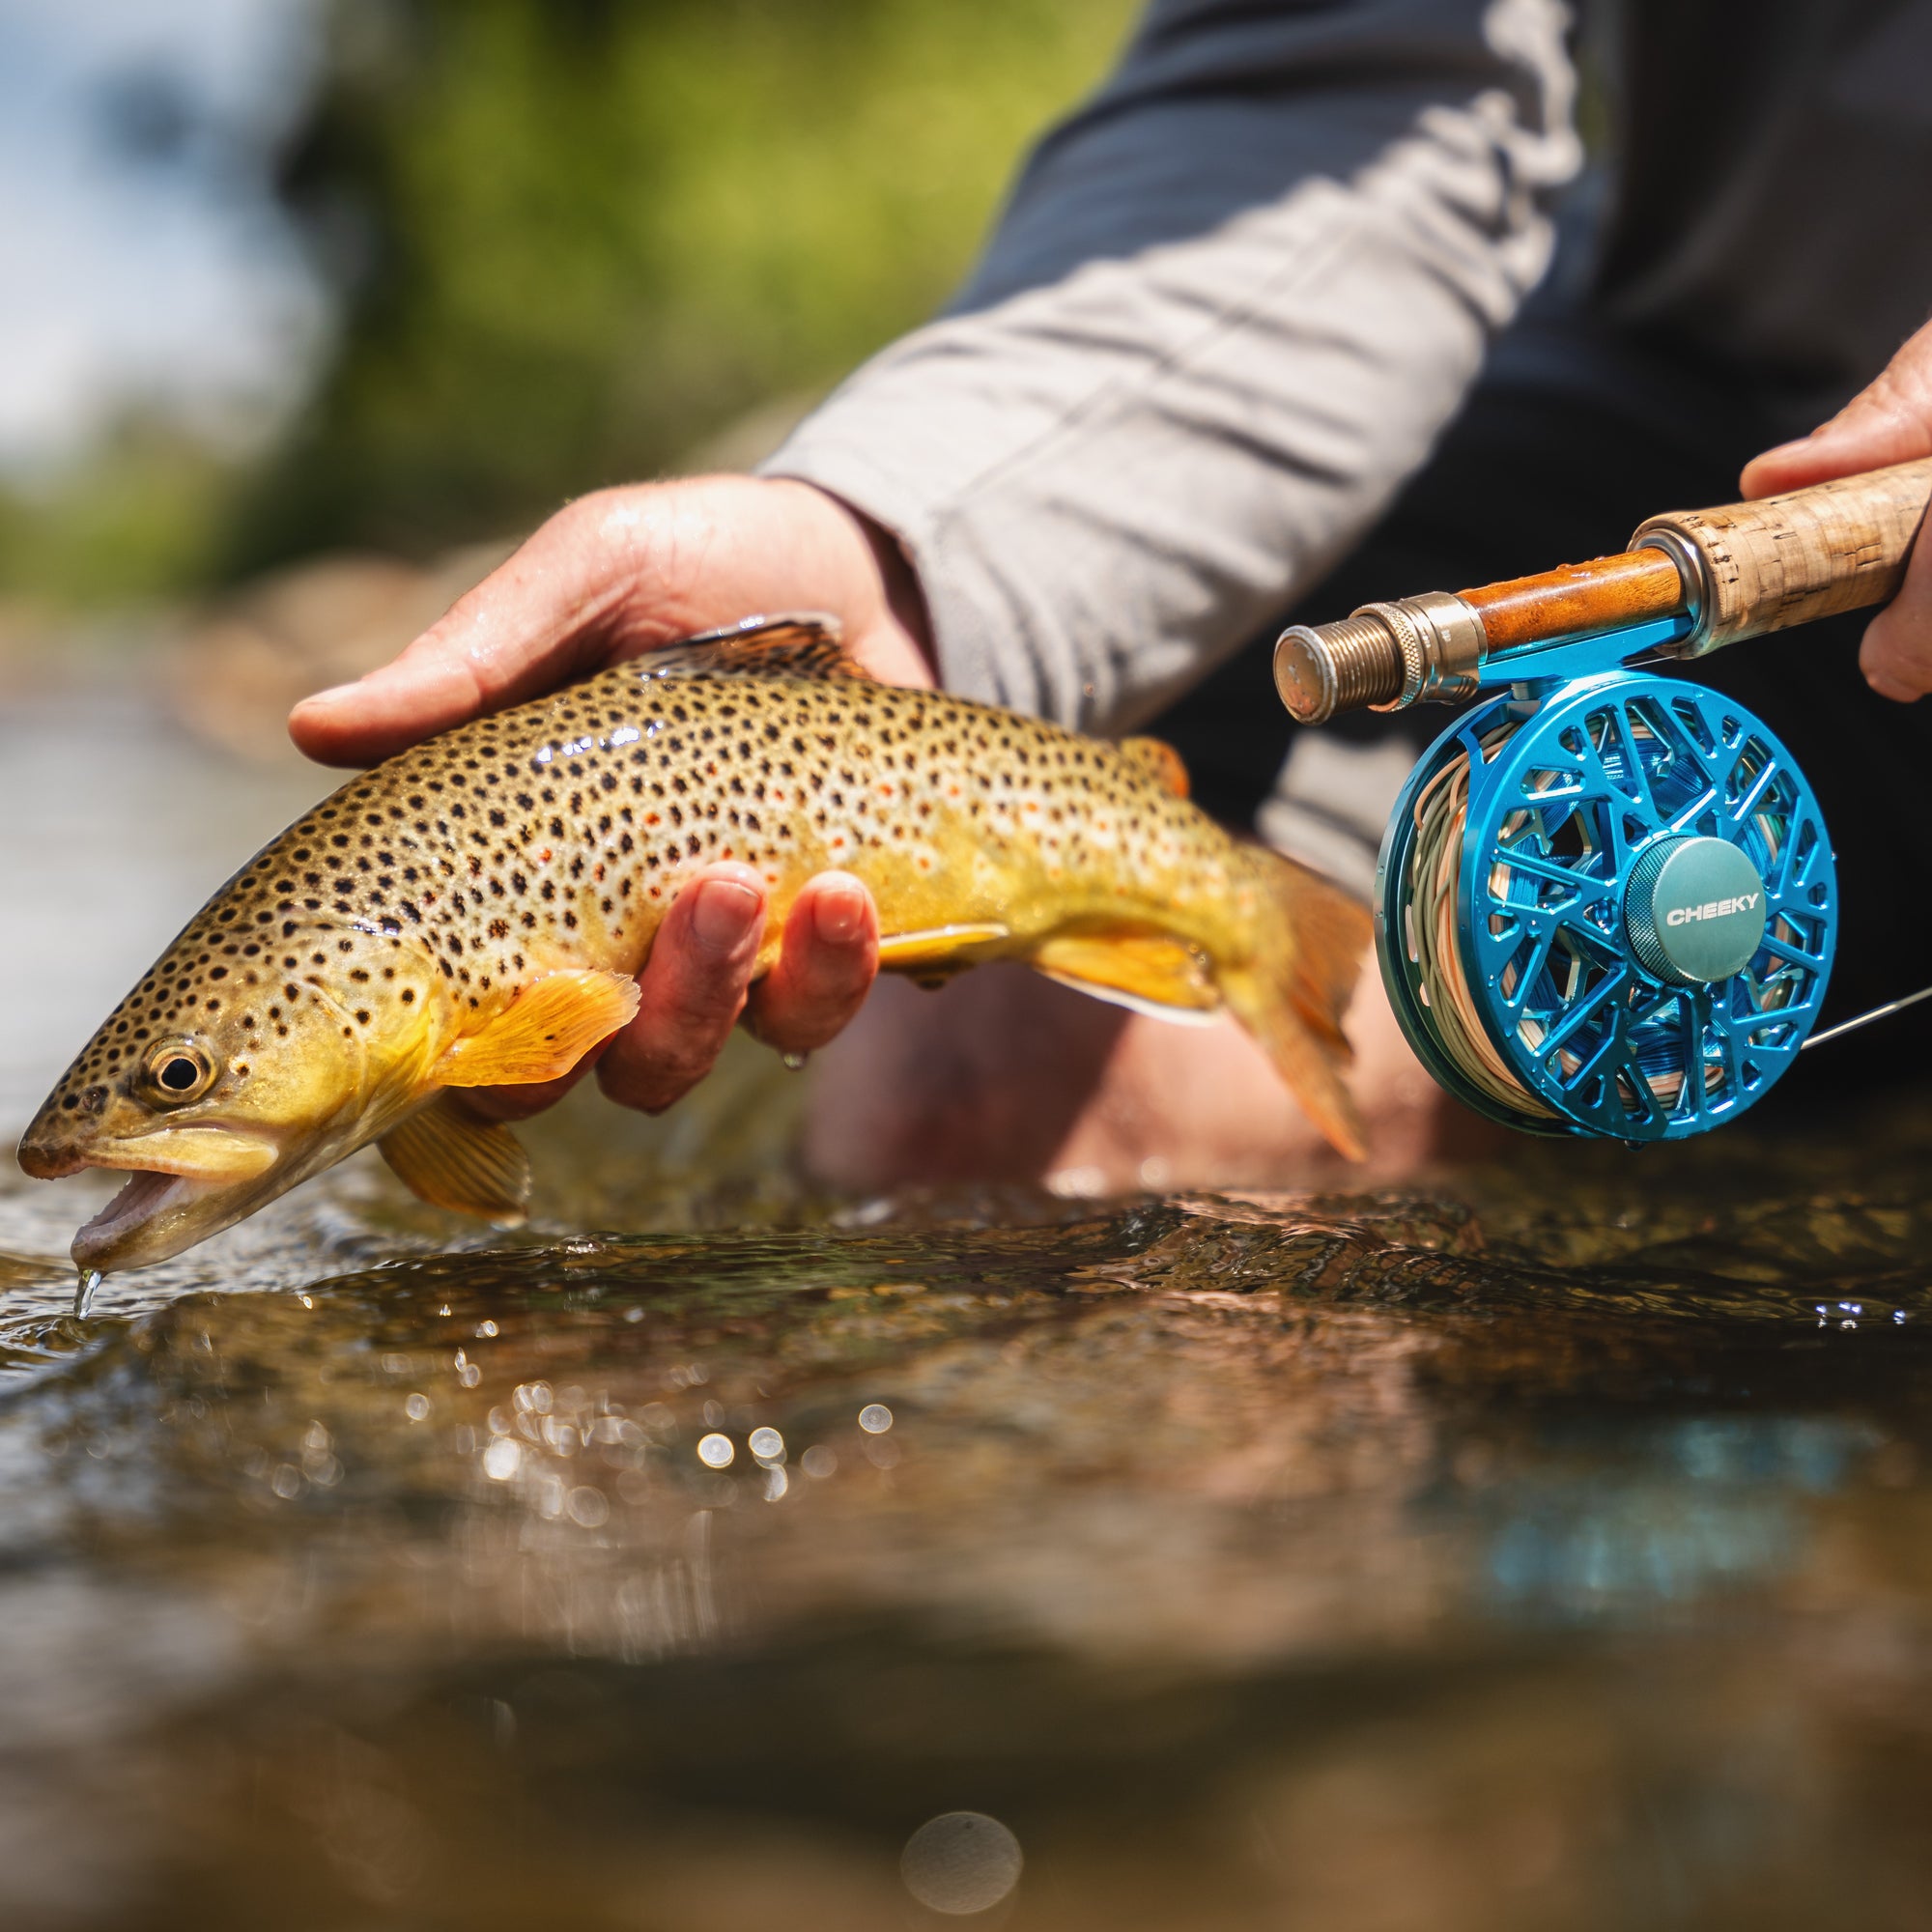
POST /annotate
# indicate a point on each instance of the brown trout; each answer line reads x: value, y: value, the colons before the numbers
x: 473, y: 911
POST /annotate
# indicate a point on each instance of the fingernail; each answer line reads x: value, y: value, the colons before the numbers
x: 838, y: 915
x: 331, y: 695
x: 723, y: 913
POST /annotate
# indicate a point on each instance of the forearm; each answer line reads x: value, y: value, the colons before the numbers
x: 1228, y: 308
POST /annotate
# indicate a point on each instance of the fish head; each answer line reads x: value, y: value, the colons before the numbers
x: 230, y: 1074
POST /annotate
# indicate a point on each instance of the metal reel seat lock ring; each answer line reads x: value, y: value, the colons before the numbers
x: 1645, y: 908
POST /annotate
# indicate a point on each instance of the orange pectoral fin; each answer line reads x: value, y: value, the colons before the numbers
x: 550, y: 1026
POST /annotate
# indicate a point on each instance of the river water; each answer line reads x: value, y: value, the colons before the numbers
x: 1549, y: 1547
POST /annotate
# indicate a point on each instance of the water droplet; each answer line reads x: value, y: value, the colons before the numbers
x: 83, y: 1295
x: 587, y: 1508
x: 794, y: 1063
x: 961, y: 1861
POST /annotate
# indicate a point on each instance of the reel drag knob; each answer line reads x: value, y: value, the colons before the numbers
x: 1694, y: 910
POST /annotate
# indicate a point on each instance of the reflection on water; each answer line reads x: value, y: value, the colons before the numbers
x: 1548, y: 1550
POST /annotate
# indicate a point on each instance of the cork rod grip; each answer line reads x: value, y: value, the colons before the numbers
x: 1784, y: 560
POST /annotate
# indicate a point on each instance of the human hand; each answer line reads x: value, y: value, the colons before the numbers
x: 1890, y: 422
x: 612, y: 576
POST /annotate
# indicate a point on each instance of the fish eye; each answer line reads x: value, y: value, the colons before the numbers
x: 180, y: 1071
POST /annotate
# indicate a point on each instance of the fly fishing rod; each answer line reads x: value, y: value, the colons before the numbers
x: 1607, y: 902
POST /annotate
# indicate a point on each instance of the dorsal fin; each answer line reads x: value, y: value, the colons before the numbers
x: 803, y: 643
x: 1161, y: 761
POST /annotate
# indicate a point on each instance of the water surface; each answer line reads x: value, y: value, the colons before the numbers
x: 1546, y: 1548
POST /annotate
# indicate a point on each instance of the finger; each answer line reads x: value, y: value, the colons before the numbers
x: 826, y: 964
x: 1887, y: 421
x: 1897, y: 655
x: 691, y: 991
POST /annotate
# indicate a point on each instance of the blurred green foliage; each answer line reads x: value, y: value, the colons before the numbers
x: 573, y: 237
x: 145, y: 513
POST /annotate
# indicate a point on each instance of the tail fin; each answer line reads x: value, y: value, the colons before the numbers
x: 1292, y: 994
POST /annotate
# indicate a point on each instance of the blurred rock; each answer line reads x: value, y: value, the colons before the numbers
x: 236, y: 669
x: 746, y: 440
x: 22, y: 631
x: 46, y: 649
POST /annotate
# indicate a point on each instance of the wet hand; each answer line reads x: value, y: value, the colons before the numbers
x: 697, y: 985
x: 1889, y: 422
x: 620, y: 573
x: 609, y: 578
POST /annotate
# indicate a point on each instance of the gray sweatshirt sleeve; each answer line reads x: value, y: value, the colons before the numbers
x: 1228, y: 309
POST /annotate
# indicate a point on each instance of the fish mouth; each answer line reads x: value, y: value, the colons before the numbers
x: 45, y: 1161
x: 212, y: 1153
x: 183, y: 1186
x: 142, y: 1202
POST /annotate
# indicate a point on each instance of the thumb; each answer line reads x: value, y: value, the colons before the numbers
x: 537, y: 620
x: 625, y: 571
x: 1887, y: 421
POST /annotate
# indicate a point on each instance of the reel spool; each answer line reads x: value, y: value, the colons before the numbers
x: 1606, y: 905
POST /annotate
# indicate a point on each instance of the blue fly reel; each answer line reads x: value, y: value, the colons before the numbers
x: 1607, y: 902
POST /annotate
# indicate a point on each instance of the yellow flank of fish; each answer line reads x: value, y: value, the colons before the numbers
x: 473, y: 911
